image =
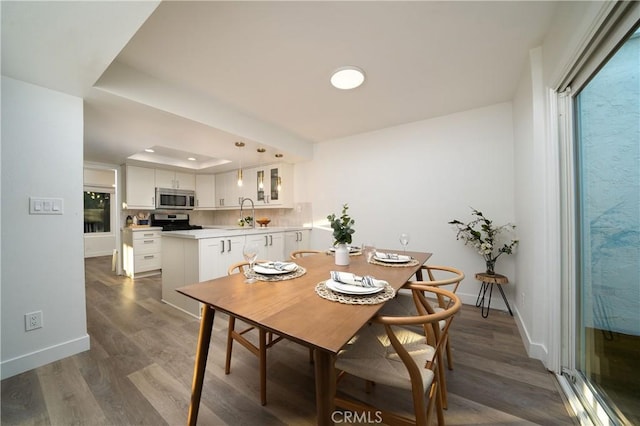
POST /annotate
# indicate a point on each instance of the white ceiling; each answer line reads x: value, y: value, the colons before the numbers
x: 198, y: 76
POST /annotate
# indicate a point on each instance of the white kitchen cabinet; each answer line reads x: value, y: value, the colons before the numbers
x: 139, y: 188
x: 142, y: 251
x: 296, y: 240
x: 228, y: 192
x: 205, y: 191
x: 173, y: 179
x: 271, y: 245
x: 190, y: 261
x: 277, y: 185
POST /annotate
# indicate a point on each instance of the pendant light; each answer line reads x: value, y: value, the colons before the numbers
x: 279, y: 180
x: 261, y: 175
x: 240, y: 145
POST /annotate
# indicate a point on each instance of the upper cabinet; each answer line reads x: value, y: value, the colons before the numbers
x: 228, y: 192
x: 205, y: 191
x: 176, y: 180
x: 273, y: 185
x: 140, y: 188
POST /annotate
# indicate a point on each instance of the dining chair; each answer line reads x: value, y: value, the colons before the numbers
x: 266, y: 339
x: 388, y: 352
x: 297, y: 254
x: 404, y: 304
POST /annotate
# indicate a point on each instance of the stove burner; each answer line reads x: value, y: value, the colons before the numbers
x: 180, y: 227
x: 173, y: 222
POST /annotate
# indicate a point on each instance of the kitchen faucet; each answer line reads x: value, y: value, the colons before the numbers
x: 253, y: 211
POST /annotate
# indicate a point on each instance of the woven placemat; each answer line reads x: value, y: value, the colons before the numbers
x: 353, y: 299
x: 412, y: 262
x: 276, y: 277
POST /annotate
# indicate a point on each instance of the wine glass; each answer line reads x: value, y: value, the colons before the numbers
x: 250, y: 253
x: 368, y: 250
x: 404, y: 240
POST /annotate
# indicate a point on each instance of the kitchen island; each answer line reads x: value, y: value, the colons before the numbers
x: 203, y: 254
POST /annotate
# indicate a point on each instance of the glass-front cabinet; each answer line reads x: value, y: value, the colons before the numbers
x: 267, y: 186
x: 273, y: 185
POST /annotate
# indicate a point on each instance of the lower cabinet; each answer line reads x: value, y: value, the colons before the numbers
x: 271, y: 245
x: 296, y: 240
x: 141, y: 251
x: 190, y: 261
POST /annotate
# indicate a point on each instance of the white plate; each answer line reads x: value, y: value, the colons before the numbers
x: 351, y: 289
x: 391, y: 260
x: 270, y: 271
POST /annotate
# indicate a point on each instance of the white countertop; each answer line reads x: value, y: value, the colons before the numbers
x: 218, y: 232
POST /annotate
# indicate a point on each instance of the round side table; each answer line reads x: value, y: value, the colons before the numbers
x: 488, y: 280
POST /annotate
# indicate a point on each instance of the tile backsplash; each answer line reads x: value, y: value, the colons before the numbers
x: 299, y: 215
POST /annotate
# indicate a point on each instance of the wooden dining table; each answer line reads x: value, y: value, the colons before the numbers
x: 293, y: 309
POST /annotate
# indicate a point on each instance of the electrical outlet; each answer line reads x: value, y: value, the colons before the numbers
x: 33, y: 320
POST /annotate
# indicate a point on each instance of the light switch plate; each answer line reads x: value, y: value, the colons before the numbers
x: 46, y: 205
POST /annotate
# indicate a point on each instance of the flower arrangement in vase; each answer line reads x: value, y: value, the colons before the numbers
x: 342, y: 234
x: 483, y: 236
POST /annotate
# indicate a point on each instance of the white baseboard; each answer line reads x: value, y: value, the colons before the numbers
x: 44, y: 356
x: 534, y: 350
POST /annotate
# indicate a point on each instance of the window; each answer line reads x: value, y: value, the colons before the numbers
x: 97, y: 212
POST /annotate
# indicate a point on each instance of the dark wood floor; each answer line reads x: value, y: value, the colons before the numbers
x: 140, y: 366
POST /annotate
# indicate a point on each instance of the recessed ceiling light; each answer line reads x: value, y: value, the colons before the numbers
x: 148, y: 150
x: 191, y: 159
x: 347, y: 78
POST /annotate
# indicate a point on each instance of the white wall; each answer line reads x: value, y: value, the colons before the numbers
x: 416, y: 178
x: 42, y: 266
x: 533, y: 262
x: 536, y: 160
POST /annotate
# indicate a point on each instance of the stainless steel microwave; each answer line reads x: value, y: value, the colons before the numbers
x: 175, y: 199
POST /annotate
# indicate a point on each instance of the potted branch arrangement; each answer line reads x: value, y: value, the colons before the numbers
x: 342, y: 235
x: 483, y: 236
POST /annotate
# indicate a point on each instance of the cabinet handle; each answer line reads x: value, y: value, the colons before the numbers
x: 150, y: 256
x: 148, y: 235
x: 270, y: 240
x: 148, y: 241
x: 229, y: 242
x: 266, y: 240
x: 222, y: 245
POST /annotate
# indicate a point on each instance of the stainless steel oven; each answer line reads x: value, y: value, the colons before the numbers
x: 175, y: 199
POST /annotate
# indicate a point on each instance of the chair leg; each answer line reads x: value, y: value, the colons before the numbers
x: 263, y: 365
x: 442, y: 382
x: 449, y: 356
x: 230, y: 329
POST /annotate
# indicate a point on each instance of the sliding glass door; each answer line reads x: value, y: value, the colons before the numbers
x: 607, y: 299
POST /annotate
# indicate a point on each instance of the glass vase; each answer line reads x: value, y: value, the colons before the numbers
x: 491, y: 265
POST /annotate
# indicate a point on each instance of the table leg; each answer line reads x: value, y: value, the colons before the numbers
x: 480, y: 300
x: 325, y: 386
x: 202, y: 351
x: 505, y: 299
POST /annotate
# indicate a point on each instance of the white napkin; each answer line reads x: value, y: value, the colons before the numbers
x: 392, y: 256
x: 279, y: 266
x: 356, y: 280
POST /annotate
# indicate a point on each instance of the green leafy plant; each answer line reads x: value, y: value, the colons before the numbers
x: 484, y: 236
x: 245, y: 221
x: 342, y: 226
